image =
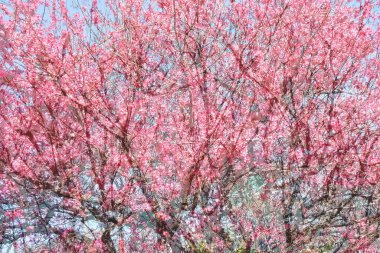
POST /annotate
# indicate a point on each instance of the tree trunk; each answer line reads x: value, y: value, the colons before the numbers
x: 107, y: 240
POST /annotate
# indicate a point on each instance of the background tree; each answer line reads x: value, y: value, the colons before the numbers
x: 199, y: 126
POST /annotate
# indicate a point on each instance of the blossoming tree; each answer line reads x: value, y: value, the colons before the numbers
x: 190, y: 126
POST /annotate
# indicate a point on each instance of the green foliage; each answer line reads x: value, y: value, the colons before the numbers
x: 241, y: 249
x: 327, y: 247
x: 202, y: 248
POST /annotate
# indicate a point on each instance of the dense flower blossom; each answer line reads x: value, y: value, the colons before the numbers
x: 189, y: 126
